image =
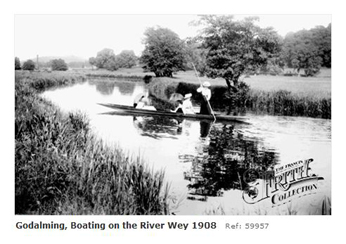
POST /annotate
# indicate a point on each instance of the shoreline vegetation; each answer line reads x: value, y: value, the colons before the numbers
x: 62, y: 168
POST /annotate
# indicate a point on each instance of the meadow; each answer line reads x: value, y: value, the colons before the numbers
x: 62, y: 168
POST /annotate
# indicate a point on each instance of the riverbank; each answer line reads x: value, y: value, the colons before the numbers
x: 273, y: 95
x: 62, y: 168
x: 260, y: 94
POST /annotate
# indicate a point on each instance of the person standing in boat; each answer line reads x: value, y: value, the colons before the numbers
x: 206, y: 94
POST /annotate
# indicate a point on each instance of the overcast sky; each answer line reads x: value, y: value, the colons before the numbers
x: 85, y: 35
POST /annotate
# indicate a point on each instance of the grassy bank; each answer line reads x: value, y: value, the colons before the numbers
x: 61, y: 168
x: 310, y: 97
x: 133, y: 74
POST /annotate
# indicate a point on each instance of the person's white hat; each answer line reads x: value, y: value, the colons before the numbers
x: 206, y: 84
x: 188, y: 95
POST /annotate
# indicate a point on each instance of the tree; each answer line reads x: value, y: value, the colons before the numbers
x: 163, y: 53
x: 58, y: 64
x: 29, y: 65
x: 105, y: 59
x: 196, y: 55
x: 126, y: 59
x: 17, y: 64
x: 92, y: 61
x: 236, y: 47
x: 308, y: 49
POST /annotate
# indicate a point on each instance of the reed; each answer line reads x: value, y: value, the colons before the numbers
x: 62, y: 168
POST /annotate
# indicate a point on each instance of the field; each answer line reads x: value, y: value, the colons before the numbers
x: 319, y: 86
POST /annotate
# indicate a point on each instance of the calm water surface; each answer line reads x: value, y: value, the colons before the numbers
x: 215, y: 168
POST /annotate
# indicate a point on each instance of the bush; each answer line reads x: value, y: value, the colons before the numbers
x: 58, y: 64
x: 29, y: 65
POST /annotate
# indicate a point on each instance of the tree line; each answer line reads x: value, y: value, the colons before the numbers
x: 106, y: 59
x: 55, y: 64
x: 229, y: 48
x: 225, y: 48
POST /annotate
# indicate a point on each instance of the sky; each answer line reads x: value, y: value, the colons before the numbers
x: 84, y: 35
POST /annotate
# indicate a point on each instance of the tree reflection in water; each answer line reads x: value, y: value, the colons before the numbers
x: 228, y: 161
x: 224, y: 160
x: 157, y: 127
x: 106, y: 87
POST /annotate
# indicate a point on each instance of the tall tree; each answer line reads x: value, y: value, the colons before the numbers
x: 163, y: 53
x: 235, y: 47
x: 104, y: 59
x: 126, y: 59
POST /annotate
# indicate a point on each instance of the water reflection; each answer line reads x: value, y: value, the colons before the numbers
x: 207, y: 164
x: 223, y: 160
x: 157, y: 127
x: 126, y: 88
x: 222, y: 164
x: 107, y: 87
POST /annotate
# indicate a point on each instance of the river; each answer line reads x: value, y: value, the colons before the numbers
x: 273, y: 165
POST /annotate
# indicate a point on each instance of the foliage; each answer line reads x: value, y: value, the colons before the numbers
x: 163, y: 53
x: 58, y: 64
x: 126, y: 59
x: 106, y: 59
x: 17, y: 64
x: 28, y: 65
x: 308, y: 49
x: 273, y: 67
x: 196, y: 56
x: 236, y: 47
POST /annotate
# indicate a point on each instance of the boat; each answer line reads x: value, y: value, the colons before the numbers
x: 129, y: 110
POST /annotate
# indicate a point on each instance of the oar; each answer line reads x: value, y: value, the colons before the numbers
x: 211, y: 110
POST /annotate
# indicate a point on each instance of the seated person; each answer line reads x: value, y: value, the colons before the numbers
x: 179, y: 108
x: 144, y: 103
x: 187, y: 104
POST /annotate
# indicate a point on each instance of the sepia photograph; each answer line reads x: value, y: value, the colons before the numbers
x: 185, y: 114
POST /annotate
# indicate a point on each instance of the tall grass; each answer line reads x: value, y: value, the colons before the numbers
x: 61, y: 168
x: 289, y: 104
x: 41, y: 81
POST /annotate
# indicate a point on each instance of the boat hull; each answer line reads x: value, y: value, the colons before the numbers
x: 131, y: 110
